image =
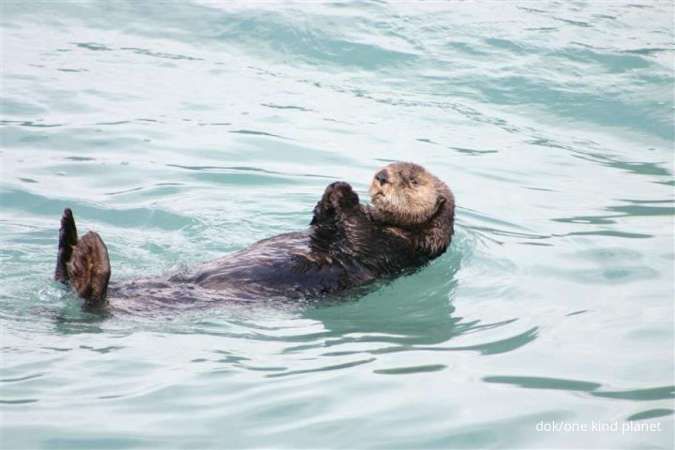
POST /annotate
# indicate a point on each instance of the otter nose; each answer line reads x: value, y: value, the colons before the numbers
x: 382, y: 176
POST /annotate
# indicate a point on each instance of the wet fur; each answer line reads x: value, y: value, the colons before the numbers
x: 84, y: 262
x: 346, y: 245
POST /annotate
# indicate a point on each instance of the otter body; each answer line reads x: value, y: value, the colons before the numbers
x: 347, y: 245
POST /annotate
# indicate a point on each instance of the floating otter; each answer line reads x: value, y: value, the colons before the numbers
x: 347, y: 245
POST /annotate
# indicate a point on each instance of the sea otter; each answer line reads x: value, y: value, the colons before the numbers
x: 347, y: 245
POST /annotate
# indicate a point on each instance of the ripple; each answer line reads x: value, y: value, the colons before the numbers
x: 92, y: 46
x: 651, y: 414
x: 257, y: 133
x: 103, y: 350
x: 72, y: 70
x: 471, y: 151
x: 658, y: 393
x: 494, y: 347
x: 274, y: 32
x: 118, y: 122
x: 649, y: 394
x: 409, y: 370
x: 79, y: 158
x: 286, y: 107
x: 22, y: 378
x: 322, y: 369
x: 22, y: 401
x: 31, y: 124
x: 544, y: 383
x: 163, y: 55
x: 127, y: 217
x: 574, y: 22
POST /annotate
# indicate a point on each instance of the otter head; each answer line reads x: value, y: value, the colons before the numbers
x: 405, y: 194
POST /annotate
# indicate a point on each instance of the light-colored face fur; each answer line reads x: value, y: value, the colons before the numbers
x: 405, y: 194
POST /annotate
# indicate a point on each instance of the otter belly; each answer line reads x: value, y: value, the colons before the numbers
x: 281, y: 266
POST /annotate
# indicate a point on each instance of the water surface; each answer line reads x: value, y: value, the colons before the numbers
x: 184, y: 131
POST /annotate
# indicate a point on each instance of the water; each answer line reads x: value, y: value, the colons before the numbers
x: 184, y: 131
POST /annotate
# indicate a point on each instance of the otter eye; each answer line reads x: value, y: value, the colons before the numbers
x: 413, y: 181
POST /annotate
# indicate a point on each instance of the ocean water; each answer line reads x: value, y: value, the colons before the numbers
x: 182, y: 131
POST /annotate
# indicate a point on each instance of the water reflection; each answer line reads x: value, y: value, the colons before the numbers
x: 414, y: 313
x: 413, y: 310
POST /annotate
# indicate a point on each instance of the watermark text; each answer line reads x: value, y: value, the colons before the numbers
x: 562, y: 426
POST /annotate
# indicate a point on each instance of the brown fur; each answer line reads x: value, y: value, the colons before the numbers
x: 416, y: 203
x: 82, y: 262
x: 409, y: 197
x: 347, y: 245
x: 89, y: 268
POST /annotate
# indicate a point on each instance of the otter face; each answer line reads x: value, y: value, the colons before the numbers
x: 405, y: 194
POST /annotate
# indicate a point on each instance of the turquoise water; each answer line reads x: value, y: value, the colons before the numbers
x: 184, y: 131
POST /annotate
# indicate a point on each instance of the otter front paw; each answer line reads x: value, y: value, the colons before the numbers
x: 337, y: 197
x: 341, y: 196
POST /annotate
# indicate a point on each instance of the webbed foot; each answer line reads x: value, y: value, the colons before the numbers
x: 82, y: 262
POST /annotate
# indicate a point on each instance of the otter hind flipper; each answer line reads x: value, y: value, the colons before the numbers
x: 67, y: 239
x: 89, y: 268
x: 82, y: 262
